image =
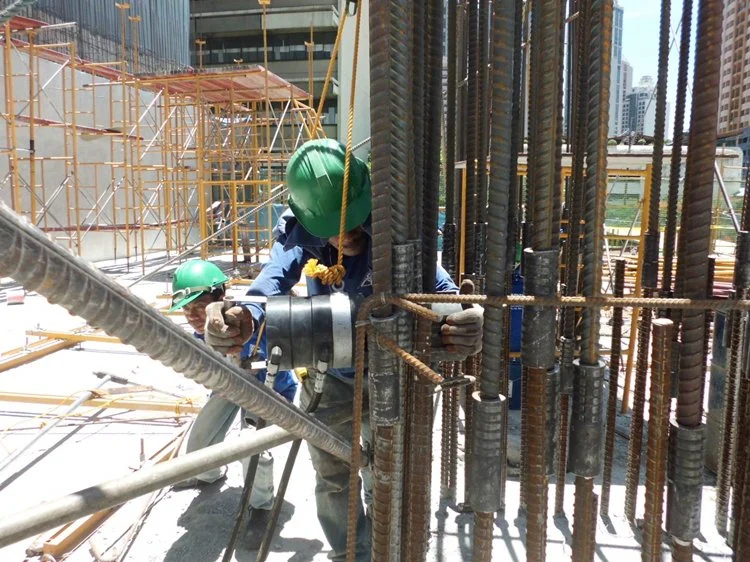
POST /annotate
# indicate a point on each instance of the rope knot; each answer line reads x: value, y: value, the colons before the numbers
x: 333, y: 275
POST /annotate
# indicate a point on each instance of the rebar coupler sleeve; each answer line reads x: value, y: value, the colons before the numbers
x: 685, y: 475
x: 539, y: 323
x: 383, y: 377
x: 553, y: 416
x: 567, y: 372
x: 487, y: 454
x: 39, y: 264
x: 651, y: 260
x: 584, y: 458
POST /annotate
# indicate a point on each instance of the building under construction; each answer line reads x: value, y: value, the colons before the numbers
x: 607, y: 415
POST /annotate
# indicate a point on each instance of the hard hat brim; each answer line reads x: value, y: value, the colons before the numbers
x: 187, y: 300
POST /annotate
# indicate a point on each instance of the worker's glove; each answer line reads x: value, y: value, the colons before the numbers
x: 228, y: 327
x: 462, y: 331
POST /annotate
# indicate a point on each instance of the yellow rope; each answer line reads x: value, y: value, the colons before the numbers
x: 329, y: 74
x: 335, y: 275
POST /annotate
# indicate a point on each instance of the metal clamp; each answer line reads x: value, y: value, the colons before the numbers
x: 685, y: 474
x: 487, y: 454
x: 383, y: 377
x: 540, y: 323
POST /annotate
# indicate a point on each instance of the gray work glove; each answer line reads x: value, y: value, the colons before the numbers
x: 228, y: 327
x: 462, y: 331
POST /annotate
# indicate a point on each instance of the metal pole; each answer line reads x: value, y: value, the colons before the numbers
x: 47, y: 428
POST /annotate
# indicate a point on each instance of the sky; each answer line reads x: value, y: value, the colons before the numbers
x: 640, y: 45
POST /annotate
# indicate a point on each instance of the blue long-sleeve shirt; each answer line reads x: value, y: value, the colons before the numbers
x: 294, y: 246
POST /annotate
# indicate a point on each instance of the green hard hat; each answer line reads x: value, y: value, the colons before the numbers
x: 193, y: 279
x: 315, y: 175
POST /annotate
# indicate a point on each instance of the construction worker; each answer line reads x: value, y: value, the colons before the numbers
x: 309, y: 230
x: 195, y: 285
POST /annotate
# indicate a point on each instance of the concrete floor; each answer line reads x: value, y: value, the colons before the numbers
x: 194, y: 525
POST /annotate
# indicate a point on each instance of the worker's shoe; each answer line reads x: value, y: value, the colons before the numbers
x: 196, y: 482
x: 256, y: 527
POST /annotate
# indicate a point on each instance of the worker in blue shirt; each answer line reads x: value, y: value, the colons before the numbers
x: 195, y: 285
x: 309, y: 231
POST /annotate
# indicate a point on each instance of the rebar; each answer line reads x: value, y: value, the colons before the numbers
x: 446, y: 443
x: 742, y: 492
x: 670, y: 231
x: 635, y: 444
x: 536, y: 448
x: 29, y: 257
x: 472, y: 134
x: 740, y: 478
x: 483, y: 527
x: 658, y: 433
x: 614, y: 378
x: 584, y: 520
x: 483, y: 94
x: 449, y: 228
x: 708, y: 319
x: 562, y: 440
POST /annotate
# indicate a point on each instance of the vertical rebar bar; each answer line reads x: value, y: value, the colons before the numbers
x: 614, y: 376
x: 597, y: 117
x: 650, y: 256
x: 471, y: 135
x: 658, y: 433
x: 449, y: 228
x: 741, y: 512
x: 483, y: 122
x: 692, y: 273
x: 670, y: 231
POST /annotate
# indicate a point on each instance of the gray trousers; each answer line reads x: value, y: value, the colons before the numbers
x: 332, y: 476
x: 210, y: 427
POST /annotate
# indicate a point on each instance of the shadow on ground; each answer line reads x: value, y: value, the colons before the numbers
x: 208, y: 522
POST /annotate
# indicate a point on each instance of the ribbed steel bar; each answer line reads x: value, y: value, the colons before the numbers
x: 658, y: 435
x: 670, y: 231
x: 33, y: 260
x: 446, y: 443
x: 484, y: 524
x: 537, y: 483
x: 524, y: 477
x: 584, y: 523
x: 741, y: 512
x: 597, y: 117
x: 472, y: 134
x: 449, y: 228
x: 729, y: 426
x: 415, y: 41
x: 650, y: 256
x: 614, y: 378
x: 432, y: 147
x: 635, y: 444
x: 471, y: 369
x: 708, y: 320
x: 692, y: 271
x: 483, y: 101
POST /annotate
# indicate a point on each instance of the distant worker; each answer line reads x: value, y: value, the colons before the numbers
x: 197, y: 284
x: 309, y: 230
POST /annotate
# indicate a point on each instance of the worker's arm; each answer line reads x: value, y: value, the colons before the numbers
x: 228, y: 327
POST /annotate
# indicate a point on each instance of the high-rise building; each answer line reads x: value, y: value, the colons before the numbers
x: 734, y: 92
x: 641, y: 109
x: 615, y: 89
x: 627, y: 85
x: 233, y: 32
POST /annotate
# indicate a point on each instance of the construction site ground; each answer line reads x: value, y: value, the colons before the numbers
x: 97, y: 444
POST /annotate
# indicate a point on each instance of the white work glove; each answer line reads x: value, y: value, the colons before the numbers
x: 228, y: 327
x: 462, y: 331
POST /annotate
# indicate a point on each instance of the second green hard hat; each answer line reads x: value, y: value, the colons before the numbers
x: 315, y: 175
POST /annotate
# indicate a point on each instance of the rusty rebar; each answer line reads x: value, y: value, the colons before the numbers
x: 741, y: 480
x: 670, y: 231
x: 730, y: 420
x: 584, y: 520
x: 682, y: 552
x: 614, y: 377
x: 449, y: 229
x: 483, y: 102
x: 471, y: 135
x: 523, y: 478
x: 536, y: 447
x: 695, y: 236
x: 658, y: 434
x: 483, y: 527
x: 635, y: 444
x: 708, y: 320
x: 562, y: 450
x: 471, y: 369
x: 446, y: 444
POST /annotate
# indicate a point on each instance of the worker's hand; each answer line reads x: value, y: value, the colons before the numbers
x: 228, y: 327
x: 462, y: 331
